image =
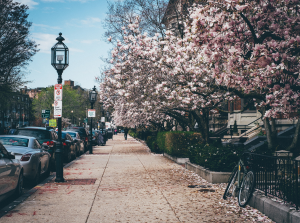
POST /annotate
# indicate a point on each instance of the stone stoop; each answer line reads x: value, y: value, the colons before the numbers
x: 177, y: 160
x: 210, y: 176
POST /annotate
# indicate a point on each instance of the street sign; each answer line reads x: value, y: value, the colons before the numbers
x: 91, y: 113
x: 57, y: 109
x: 102, y: 119
x: 58, y: 92
x: 86, y: 120
x: 45, y: 113
x: 52, y: 122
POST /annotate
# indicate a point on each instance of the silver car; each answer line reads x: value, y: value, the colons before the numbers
x: 34, y: 159
x: 11, y: 174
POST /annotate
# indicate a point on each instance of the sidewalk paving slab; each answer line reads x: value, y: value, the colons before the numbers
x: 129, y: 184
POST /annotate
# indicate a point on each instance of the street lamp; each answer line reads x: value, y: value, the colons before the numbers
x: 72, y: 118
x: 60, y: 61
x: 93, y: 98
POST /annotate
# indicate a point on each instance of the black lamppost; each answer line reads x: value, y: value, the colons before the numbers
x: 60, y: 61
x: 72, y: 118
x: 93, y: 98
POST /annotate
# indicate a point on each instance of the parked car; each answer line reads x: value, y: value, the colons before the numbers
x: 80, y: 143
x: 83, y: 135
x: 109, y: 133
x: 69, y: 146
x: 32, y: 156
x: 11, y: 174
x: 46, y: 136
x: 12, y: 131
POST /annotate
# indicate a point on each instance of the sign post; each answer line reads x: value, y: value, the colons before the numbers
x: 52, y: 122
x: 57, y: 109
x: 91, y: 113
x: 58, y: 92
x: 45, y: 113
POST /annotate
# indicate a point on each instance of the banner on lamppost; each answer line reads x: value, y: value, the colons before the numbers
x: 58, y: 92
x: 91, y: 113
x: 57, y: 109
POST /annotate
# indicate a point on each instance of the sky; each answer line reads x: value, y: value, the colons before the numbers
x: 81, y: 24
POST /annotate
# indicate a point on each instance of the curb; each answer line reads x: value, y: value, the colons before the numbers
x: 276, y: 211
x: 24, y: 196
x: 12, y: 205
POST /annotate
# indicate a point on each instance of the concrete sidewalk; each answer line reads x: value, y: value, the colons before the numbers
x: 124, y: 182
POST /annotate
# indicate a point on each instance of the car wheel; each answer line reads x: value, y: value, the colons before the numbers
x: 47, y: 173
x: 69, y: 157
x: 37, y: 176
x: 19, y: 188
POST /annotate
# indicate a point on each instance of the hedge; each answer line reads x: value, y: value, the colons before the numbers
x: 212, y: 156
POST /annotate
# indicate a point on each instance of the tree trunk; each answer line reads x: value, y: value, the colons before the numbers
x: 273, y: 131
x: 202, y: 121
x: 269, y: 134
x: 292, y: 147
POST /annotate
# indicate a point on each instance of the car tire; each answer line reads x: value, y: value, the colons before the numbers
x: 37, y: 177
x: 68, y: 158
x: 47, y: 173
x: 19, y: 189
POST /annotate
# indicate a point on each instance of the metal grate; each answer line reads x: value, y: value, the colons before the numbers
x: 78, y: 182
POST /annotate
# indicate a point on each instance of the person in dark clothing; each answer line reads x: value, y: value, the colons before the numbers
x: 100, y: 139
x: 125, y: 133
x: 1, y: 130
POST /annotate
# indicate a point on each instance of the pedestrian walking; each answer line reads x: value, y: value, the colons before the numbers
x: 115, y: 131
x: 125, y: 133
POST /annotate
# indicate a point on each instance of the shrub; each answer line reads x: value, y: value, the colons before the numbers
x: 151, y: 143
x: 177, y: 143
x: 160, y: 140
x: 132, y: 134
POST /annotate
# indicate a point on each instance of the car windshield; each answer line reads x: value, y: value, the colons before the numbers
x: 73, y: 134
x: 38, y: 134
x: 14, y: 141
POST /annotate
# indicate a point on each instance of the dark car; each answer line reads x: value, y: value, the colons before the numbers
x: 46, y: 137
x: 70, y: 148
x: 83, y: 133
x: 12, y: 131
x: 79, y: 142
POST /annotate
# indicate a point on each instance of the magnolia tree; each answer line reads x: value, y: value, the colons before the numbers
x: 153, y: 80
x: 251, y: 48
x: 230, y: 48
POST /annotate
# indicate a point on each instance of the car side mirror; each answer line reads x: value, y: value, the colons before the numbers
x: 11, y: 156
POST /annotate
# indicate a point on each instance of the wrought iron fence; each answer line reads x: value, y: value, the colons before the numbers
x: 277, y: 176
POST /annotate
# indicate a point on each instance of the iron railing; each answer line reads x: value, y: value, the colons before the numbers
x: 277, y: 176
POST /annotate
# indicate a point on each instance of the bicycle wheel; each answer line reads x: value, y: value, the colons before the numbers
x: 231, y: 184
x: 246, y: 189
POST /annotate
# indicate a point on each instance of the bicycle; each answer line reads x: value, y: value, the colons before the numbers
x: 241, y: 180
